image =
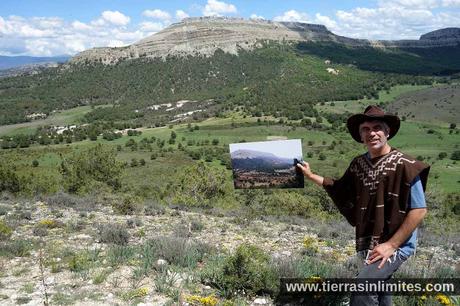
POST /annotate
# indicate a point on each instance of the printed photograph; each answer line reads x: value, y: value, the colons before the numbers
x: 267, y: 164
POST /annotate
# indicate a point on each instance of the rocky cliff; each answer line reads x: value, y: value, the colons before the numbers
x: 204, y: 35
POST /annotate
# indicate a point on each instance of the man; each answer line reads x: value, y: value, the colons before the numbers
x: 382, y: 195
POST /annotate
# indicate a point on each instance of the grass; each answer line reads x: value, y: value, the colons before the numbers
x: 159, y: 173
x: 412, y: 139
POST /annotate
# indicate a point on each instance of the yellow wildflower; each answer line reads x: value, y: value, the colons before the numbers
x: 197, y: 300
x: 443, y: 299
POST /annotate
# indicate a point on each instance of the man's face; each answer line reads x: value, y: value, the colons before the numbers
x: 374, y: 134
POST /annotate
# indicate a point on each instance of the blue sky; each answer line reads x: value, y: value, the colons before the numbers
x: 49, y: 28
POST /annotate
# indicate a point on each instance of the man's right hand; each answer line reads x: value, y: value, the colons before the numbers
x: 305, y: 167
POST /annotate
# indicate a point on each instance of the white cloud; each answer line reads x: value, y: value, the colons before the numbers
x: 157, y: 14
x: 80, y: 26
x: 328, y: 22
x: 410, y: 4
x: 180, y: 14
x: 293, y: 15
x: 217, y: 8
x: 115, y: 17
x: 255, y: 16
x: 151, y: 26
x: 450, y: 3
x: 389, y: 22
x: 45, y: 36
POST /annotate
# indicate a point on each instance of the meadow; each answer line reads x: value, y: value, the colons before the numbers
x: 153, y: 217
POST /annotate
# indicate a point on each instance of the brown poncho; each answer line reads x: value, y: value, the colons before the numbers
x: 373, y: 194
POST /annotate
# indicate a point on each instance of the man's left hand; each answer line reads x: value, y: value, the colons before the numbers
x: 382, y: 251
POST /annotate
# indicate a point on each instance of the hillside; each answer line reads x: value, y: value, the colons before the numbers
x: 205, y: 35
x: 438, y: 104
x: 227, y: 63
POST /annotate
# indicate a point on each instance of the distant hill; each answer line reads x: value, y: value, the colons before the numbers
x: 249, y: 160
x: 205, y: 35
x: 261, y: 67
x: 7, y: 62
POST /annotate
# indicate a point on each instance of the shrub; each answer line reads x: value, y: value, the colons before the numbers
x: 248, y: 269
x: 153, y: 209
x: 15, y: 248
x: 9, y: 180
x: 5, y: 231
x: 35, y: 163
x: 3, y: 210
x: 455, y: 155
x: 178, y: 251
x: 199, y: 185
x: 128, y: 205
x: 133, y: 162
x: 97, y: 164
x: 113, y: 233
x: 62, y: 199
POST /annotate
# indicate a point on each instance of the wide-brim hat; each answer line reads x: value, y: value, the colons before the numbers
x: 372, y: 112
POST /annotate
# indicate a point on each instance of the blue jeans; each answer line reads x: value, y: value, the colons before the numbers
x: 372, y: 271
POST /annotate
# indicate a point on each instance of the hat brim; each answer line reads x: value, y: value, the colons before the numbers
x: 354, y: 121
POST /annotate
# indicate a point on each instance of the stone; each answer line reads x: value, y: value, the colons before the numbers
x: 161, y: 262
x: 260, y: 301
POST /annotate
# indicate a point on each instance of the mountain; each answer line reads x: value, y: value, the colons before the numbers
x: 248, y: 160
x: 205, y: 35
x: 8, y: 62
x: 259, y: 67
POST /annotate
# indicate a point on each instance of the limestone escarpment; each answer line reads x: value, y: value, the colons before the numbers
x: 204, y: 35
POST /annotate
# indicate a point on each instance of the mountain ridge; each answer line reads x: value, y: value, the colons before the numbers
x: 202, y: 36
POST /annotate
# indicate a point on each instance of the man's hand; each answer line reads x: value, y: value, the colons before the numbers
x: 385, y: 250
x: 382, y: 251
x: 305, y: 167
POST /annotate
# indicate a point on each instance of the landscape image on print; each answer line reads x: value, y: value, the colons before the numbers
x: 267, y: 164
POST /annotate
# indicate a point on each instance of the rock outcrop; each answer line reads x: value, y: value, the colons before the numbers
x: 204, y: 35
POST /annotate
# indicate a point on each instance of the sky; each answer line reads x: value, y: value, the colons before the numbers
x: 66, y: 27
x: 291, y: 148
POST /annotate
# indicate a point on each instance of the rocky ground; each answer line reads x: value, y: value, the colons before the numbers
x: 68, y: 258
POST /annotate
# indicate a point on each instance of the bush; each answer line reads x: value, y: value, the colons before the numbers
x: 153, y: 209
x: 113, y: 233
x: 455, y: 155
x: 35, y: 163
x: 199, y: 185
x: 15, y: 248
x: 5, y: 231
x: 178, y: 251
x: 128, y: 205
x: 97, y: 164
x: 9, y: 180
x: 248, y: 269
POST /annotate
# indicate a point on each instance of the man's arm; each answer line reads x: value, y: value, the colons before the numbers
x: 386, y: 250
